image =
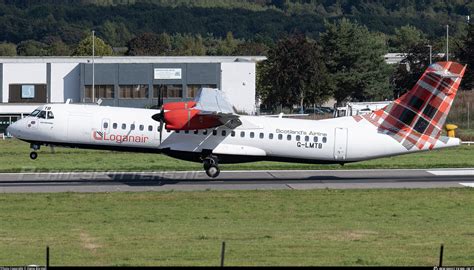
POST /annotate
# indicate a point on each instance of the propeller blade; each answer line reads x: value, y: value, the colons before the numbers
x: 160, y: 117
x: 161, y: 130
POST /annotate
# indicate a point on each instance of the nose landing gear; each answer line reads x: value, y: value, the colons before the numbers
x: 33, y: 154
x: 211, y: 167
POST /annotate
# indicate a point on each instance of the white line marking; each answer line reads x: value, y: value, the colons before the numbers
x: 467, y: 184
x: 227, y: 171
x: 451, y: 172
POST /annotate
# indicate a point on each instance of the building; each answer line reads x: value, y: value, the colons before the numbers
x: 137, y: 82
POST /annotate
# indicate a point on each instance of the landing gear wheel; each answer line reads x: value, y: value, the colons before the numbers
x: 210, y: 166
x: 213, y: 171
x: 33, y: 155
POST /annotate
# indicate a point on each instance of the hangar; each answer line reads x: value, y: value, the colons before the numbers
x: 137, y: 82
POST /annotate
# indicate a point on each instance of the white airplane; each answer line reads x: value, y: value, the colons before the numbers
x: 207, y: 130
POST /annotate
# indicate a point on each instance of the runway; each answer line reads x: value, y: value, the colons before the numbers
x: 234, y: 180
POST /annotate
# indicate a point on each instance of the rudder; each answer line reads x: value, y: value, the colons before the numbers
x: 417, y: 117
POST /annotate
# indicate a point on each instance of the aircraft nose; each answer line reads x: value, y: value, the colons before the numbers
x: 13, y: 129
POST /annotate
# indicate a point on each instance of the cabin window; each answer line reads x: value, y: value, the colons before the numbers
x: 306, y: 138
x: 150, y: 128
x: 114, y: 125
x: 232, y: 133
x: 186, y: 132
x: 224, y: 133
x: 35, y: 112
x: 270, y: 136
x: 132, y: 126
x: 324, y: 139
x: 106, y: 125
x: 142, y: 127
x: 315, y: 139
x: 252, y: 134
x: 298, y: 138
x: 42, y: 114
x: 50, y: 115
x: 288, y: 137
x: 280, y: 136
x: 176, y: 131
x: 124, y: 126
x: 242, y: 134
x: 196, y: 131
x: 261, y: 135
x: 214, y: 132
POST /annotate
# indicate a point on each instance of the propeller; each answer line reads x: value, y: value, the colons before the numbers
x: 160, y: 117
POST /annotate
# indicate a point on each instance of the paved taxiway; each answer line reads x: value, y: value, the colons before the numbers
x: 234, y: 180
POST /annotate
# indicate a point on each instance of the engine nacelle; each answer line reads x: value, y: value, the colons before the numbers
x: 188, y: 119
x: 179, y: 105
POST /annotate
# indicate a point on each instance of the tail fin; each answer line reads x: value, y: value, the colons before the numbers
x: 417, y: 117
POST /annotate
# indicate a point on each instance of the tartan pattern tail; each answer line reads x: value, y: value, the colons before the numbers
x: 417, y: 117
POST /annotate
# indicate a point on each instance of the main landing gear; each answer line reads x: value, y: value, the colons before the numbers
x: 34, y: 148
x: 211, y: 167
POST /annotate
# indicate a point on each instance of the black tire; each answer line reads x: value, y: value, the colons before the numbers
x: 213, y: 171
x: 33, y: 155
x: 208, y: 162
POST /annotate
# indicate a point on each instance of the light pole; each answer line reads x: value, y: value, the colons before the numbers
x: 93, y: 71
x: 447, y: 42
x: 430, y: 51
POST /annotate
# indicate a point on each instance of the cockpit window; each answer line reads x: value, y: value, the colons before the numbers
x: 50, y: 115
x: 35, y: 112
x: 42, y: 114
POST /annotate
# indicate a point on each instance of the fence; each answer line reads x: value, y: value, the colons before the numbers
x: 222, y: 257
x: 461, y: 114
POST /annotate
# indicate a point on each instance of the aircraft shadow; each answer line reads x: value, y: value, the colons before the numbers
x: 144, y: 179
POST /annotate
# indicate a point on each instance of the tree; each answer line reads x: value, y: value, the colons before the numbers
x: 410, y: 69
x: 7, y: 49
x: 150, y: 44
x: 59, y: 48
x: 115, y: 33
x: 294, y: 73
x: 32, y: 48
x: 85, y: 47
x: 251, y: 48
x: 466, y: 56
x: 406, y: 37
x: 56, y: 47
x: 228, y: 45
x: 354, y: 58
x: 188, y: 45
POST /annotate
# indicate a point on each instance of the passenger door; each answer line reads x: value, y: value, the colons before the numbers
x: 340, y: 143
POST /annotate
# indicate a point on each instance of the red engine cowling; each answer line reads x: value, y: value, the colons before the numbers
x: 188, y: 119
x: 178, y: 105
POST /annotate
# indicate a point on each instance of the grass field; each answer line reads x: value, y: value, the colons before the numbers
x: 14, y: 157
x: 317, y: 227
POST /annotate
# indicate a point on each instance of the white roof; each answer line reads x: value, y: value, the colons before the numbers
x: 132, y: 59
